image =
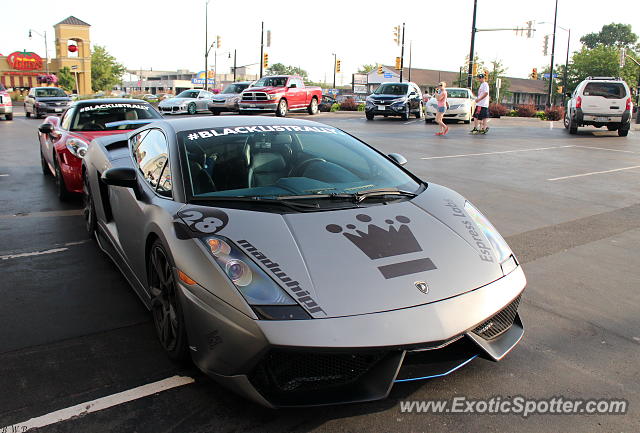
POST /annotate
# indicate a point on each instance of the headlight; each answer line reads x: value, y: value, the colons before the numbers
x: 398, y: 101
x: 40, y: 104
x: 502, y: 250
x: 252, y: 282
x: 78, y: 147
x: 273, y: 96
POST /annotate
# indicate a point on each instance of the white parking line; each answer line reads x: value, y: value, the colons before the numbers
x: 604, y: 148
x: 41, y: 252
x: 52, y: 213
x: 594, y: 172
x: 82, y: 409
x: 4, y: 175
x: 496, y: 153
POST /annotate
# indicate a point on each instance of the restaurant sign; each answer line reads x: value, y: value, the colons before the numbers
x: 24, y: 61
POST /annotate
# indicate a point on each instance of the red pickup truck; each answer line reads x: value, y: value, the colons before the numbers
x: 279, y: 94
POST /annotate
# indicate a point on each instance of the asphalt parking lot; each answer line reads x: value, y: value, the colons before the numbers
x: 73, y: 331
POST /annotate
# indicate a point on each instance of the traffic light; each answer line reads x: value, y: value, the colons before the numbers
x: 560, y: 89
x: 379, y: 69
x: 338, y: 66
x: 530, y: 29
x: 218, y: 41
x: 534, y: 74
x: 475, y: 69
x: 268, y: 38
x: 545, y: 45
x: 398, y: 63
x: 486, y: 74
x: 396, y: 35
x: 265, y: 60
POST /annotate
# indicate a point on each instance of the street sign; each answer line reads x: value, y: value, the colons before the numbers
x: 547, y: 75
x: 387, y: 75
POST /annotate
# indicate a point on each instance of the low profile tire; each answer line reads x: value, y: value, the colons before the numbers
x: 313, y: 107
x: 369, y: 116
x: 612, y: 127
x: 61, y: 188
x: 165, y: 304
x: 282, y: 109
x: 623, y: 132
x: 89, y: 209
x: 44, y: 165
x: 8, y: 116
x: 191, y: 109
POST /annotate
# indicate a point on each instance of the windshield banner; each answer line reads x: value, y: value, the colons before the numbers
x: 108, y: 106
x: 218, y: 132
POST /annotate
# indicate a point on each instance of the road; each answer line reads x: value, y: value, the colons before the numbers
x: 569, y: 206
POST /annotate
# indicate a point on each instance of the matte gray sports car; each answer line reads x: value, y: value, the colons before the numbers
x: 294, y: 263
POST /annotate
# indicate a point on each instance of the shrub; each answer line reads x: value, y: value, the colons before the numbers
x: 554, y: 113
x: 526, y: 110
x: 497, y: 110
x: 541, y: 115
x: 512, y: 113
x: 348, y: 104
x: 361, y: 106
x: 335, y: 107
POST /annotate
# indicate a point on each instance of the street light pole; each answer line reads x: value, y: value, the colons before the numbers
x: 335, y: 59
x: 402, y: 54
x: 553, y: 51
x: 566, y: 70
x: 410, y: 44
x: 261, y: 49
x: 473, y: 42
x: 234, y: 65
x: 206, y: 44
x: 46, y: 48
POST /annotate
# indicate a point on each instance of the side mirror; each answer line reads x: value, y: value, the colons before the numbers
x: 412, y: 94
x: 397, y: 158
x: 293, y: 85
x: 126, y: 177
x: 46, y: 128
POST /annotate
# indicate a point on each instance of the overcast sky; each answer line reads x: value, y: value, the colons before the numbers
x: 169, y: 35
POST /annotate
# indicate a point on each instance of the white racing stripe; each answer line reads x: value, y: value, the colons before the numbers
x: 497, y: 153
x: 594, y: 172
x: 102, y: 403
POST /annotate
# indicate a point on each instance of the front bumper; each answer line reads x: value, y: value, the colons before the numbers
x: 457, y: 114
x: 172, y: 110
x: 258, y: 106
x: 51, y: 109
x: 354, y: 358
x: 224, y: 106
x: 388, y: 109
x: 6, y: 109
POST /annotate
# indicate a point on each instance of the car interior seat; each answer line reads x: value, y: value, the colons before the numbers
x: 268, y: 159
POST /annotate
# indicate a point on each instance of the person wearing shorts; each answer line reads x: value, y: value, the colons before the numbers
x: 441, y: 98
x: 481, y: 115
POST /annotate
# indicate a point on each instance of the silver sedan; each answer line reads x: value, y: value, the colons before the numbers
x: 190, y: 101
x: 228, y: 99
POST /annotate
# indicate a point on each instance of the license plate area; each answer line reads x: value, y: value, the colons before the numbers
x: 382, y: 107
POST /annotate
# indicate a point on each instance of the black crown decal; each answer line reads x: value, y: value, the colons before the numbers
x: 378, y: 242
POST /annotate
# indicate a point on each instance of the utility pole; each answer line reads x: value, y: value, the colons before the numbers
x: 234, y: 65
x: 553, y: 51
x: 261, y: 49
x: 46, y: 49
x: 566, y: 70
x: 335, y: 58
x: 206, y: 43
x: 473, y: 43
x: 402, y: 54
x: 410, y: 44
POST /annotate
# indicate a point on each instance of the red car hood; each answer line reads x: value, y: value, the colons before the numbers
x: 268, y: 89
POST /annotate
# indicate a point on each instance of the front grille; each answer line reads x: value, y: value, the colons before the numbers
x: 500, y: 322
x: 289, y: 371
x: 255, y: 96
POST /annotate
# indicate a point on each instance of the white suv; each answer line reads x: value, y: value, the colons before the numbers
x: 600, y: 101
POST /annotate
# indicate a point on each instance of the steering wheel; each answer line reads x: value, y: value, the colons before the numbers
x: 299, y: 169
x: 200, y: 153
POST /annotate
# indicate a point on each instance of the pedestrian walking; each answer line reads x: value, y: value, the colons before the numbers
x: 441, y: 98
x: 481, y: 115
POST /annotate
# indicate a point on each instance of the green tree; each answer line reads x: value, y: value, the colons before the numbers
x: 611, y: 35
x: 365, y: 69
x: 601, y: 61
x: 66, y: 80
x: 461, y: 81
x: 282, y: 69
x: 106, y: 72
x: 497, y: 70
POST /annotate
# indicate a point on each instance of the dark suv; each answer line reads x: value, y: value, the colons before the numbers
x: 395, y: 99
x: 46, y: 100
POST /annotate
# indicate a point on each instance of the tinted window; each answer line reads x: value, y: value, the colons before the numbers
x: 235, y: 88
x: 271, y: 81
x: 391, y: 89
x: 457, y: 93
x: 105, y: 117
x: 66, y: 118
x: 52, y: 91
x: 151, y: 154
x: 608, y: 90
x: 188, y: 94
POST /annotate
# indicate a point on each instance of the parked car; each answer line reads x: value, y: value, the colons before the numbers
x: 461, y: 105
x: 6, y: 106
x: 64, y: 141
x: 327, y: 102
x: 149, y: 97
x: 41, y: 101
x: 190, y: 101
x: 228, y: 99
x: 294, y: 263
x: 395, y: 99
x: 600, y: 101
x: 280, y: 94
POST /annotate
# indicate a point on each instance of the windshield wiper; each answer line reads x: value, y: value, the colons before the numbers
x: 258, y: 200
x: 380, y: 192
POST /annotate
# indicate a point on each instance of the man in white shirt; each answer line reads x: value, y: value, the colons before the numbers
x: 482, y: 107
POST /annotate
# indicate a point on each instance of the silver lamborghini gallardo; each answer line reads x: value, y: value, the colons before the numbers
x: 296, y: 264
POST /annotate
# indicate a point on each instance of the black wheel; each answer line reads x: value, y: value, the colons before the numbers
x: 89, y: 209
x: 165, y: 305
x: 215, y: 112
x: 612, y: 127
x: 44, y: 165
x: 38, y: 115
x: 369, y: 115
x: 405, y: 114
x: 9, y: 116
x: 61, y: 188
x: 313, y: 107
x: 570, y: 124
x: 191, y: 109
x: 26, y: 113
x: 623, y: 132
x: 420, y: 112
x: 282, y: 109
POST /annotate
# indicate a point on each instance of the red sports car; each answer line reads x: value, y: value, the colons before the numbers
x: 65, y: 140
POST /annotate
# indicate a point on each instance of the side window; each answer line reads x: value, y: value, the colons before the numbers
x: 66, y: 118
x: 300, y: 83
x: 151, y: 154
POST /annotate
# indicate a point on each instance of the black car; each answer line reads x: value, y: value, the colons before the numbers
x: 46, y: 100
x: 327, y: 103
x: 395, y: 99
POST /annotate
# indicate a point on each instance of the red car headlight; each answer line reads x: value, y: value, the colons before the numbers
x: 77, y: 147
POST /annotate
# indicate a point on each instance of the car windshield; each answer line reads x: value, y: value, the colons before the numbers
x: 272, y: 161
x: 608, y: 90
x: 235, y: 88
x: 101, y: 117
x: 391, y: 89
x: 458, y: 93
x: 50, y: 92
x: 188, y: 94
x: 271, y: 82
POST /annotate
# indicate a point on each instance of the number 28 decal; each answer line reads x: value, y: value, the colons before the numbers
x: 208, y: 222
